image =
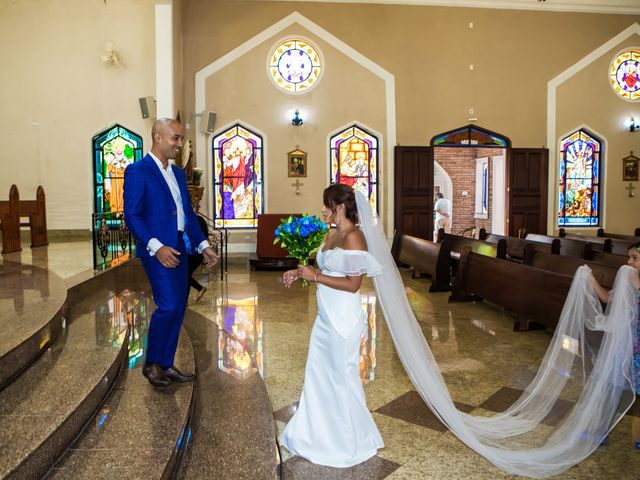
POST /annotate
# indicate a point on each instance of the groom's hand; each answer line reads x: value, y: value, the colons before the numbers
x: 210, y: 257
x: 168, y: 256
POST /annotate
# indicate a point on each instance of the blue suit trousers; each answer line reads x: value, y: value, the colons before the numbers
x: 169, y: 287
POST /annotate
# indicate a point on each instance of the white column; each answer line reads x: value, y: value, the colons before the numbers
x: 164, y: 60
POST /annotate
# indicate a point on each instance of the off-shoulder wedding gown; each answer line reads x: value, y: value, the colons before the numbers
x: 332, y: 425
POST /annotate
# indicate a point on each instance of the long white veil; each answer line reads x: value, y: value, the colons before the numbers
x: 588, y: 363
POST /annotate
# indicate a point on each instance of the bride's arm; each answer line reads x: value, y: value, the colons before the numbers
x: 348, y: 284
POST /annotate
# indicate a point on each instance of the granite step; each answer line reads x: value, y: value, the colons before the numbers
x: 48, y: 404
x: 32, y: 304
x: 140, y: 432
x: 234, y: 433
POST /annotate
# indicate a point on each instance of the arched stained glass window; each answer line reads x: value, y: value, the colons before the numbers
x: 579, y: 178
x: 237, y: 166
x: 113, y: 150
x: 295, y: 65
x: 354, y: 161
x: 624, y: 74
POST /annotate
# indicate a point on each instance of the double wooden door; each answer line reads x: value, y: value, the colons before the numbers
x: 527, y: 179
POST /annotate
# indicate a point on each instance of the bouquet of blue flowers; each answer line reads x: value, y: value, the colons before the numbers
x: 301, y: 236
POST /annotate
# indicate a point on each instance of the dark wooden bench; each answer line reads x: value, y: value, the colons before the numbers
x: 533, y: 294
x: 630, y: 238
x: 620, y: 246
x: 451, y: 247
x: 516, y: 245
x: 605, y: 258
x: 424, y: 257
x: 605, y: 274
x: 599, y: 243
x: 10, y: 222
x: 568, y: 246
x: 10, y: 213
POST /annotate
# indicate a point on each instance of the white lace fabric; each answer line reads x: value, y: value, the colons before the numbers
x: 589, y: 362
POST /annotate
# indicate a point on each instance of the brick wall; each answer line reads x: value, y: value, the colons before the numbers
x: 460, y: 165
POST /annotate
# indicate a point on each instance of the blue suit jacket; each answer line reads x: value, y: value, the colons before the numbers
x: 149, y: 208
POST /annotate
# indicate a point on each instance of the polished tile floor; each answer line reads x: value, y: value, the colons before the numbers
x: 264, y: 330
x: 484, y: 363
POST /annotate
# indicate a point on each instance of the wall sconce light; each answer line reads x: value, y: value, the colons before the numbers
x: 633, y: 126
x: 296, y: 121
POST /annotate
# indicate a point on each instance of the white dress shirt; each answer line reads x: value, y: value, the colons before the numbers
x: 168, y: 175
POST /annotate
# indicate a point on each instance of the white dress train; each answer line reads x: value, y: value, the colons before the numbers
x: 332, y: 425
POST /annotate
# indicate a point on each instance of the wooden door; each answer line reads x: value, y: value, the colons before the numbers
x: 413, y: 191
x: 528, y: 179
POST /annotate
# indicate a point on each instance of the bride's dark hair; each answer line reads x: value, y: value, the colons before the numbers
x: 338, y: 194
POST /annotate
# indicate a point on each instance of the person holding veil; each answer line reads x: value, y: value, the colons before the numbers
x: 332, y: 425
x: 605, y: 296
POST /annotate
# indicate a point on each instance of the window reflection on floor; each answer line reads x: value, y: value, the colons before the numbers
x: 127, y: 308
x: 368, y: 340
x: 239, y: 337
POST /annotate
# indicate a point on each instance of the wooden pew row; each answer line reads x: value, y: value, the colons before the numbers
x: 629, y: 238
x: 439, y: 260
x: 10, y: 222
x: 516, y: 246
x: 600, y: 243
x: 530, y: 293
x: 605, y: 274
x: 451, y: 248
x: 424, y: 256
x: 605, y: 258
x: 10, y: 213
x: 568, y: 246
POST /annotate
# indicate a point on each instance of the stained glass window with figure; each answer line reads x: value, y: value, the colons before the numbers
x: 579, y: 180
x: 238, y: 188
x: 354, y: 161
x: 113, y: 150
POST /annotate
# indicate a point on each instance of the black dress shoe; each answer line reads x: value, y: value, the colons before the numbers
x: 175, y: 375
x: 156, y: 375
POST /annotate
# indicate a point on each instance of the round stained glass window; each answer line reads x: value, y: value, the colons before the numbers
x: 624, y: 74
x: 295, y: 65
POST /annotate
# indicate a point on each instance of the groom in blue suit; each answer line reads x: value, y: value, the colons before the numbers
x: 158, y: 212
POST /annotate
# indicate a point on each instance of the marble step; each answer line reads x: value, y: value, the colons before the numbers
x: 50, y: 402
x: 140, y: 432
x: 32, y: 301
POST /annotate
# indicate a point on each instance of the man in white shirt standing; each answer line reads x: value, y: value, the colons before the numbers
x: 158, y: 212
x: 443, y: 213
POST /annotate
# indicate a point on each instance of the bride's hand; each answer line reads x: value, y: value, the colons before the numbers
x: 289, y: 277
x: 307, y: 272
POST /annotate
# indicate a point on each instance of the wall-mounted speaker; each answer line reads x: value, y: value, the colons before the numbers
x: 208, y: 123
x: 147, y: 107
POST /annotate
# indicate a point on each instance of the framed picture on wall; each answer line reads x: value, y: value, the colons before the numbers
x: 630, y: 169
x: 297, y: 163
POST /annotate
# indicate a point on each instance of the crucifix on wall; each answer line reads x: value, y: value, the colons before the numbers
x: 298, y: 184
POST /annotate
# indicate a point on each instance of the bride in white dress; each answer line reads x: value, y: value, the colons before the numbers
x: 332, y: 425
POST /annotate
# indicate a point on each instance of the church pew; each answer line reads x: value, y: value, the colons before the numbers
x: 10, y: 221
x: 515, y: 245
x: 604, y: 258
x: 35, y: 210
x: 620, y: 246
x: 534, y: 295
x: 10, y: 213
x: 424, y: 256
x: 451, y: 248
x: 630, y: 238
x: 568, y: 246
x: 605, y: 274
x: 599, y: 243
